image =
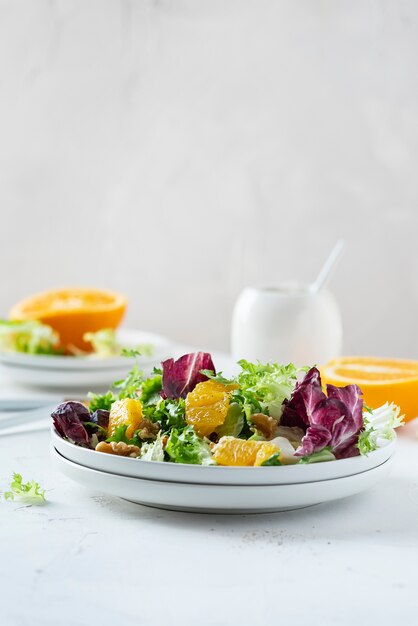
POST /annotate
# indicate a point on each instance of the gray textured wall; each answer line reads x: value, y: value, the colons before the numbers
x: 180, y: 150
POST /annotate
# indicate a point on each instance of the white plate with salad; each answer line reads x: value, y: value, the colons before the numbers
x: 110, y: 358
x: 269, y: 425
x: 219, y: 474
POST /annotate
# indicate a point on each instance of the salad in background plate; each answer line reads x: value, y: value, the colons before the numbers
x: 68, y: 322
x: 34, y: 338
x: 266, y: 415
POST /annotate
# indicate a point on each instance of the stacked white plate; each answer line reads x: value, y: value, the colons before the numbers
x: 82, y: 372
x: 217, y: 489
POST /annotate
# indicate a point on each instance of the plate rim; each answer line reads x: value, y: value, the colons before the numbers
x: 224, y: 487
x: 194, y: 484
x: 208, y: 473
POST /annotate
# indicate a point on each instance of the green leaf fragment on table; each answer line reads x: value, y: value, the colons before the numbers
x: 30, y: 492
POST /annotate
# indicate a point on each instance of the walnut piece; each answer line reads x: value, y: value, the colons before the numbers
x: 118, y: 447
x: 265, y: 424
x: 270, y: 428
x: 148, y: 430
x: 293, y: 433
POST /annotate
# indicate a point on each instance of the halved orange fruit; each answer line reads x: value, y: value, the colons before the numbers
x: 241, y: 452
x: 73, y: 312
x: 381, y: 380
x: 207, y: 406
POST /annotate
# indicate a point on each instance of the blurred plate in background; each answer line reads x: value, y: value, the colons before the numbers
x: 82, y: 372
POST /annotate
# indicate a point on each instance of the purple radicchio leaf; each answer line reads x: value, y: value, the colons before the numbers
x: 315, y: 439
x: 325, y: 416
x: 334, y: 421
x: 306, y: 395
x: 351, y: 396
x: 341, y: 415
x: 345, y: 432
x: 68, y: 420
x: 182, y: 376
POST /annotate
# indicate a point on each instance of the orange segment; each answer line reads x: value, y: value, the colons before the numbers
x: 265, y: 451
x: 381, y: 380
x: 73, y: 312
x: 127, y: 411
x: 207, y: 406
x: 232, y: 451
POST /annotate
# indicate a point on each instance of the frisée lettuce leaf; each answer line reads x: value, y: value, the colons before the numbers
x: 262, y: 388
x: 379, y: 427
x: 30, y: 492
x: 187, y: 447
x: 153, y: 451
x: 31, y: 337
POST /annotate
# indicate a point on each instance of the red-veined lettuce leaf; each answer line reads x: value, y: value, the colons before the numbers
x: 305, y: 397
x: 68, y: 420
x: 182, y: 376
x: 334, y: 421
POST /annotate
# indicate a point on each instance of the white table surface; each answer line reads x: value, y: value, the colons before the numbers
x: 88, y: 559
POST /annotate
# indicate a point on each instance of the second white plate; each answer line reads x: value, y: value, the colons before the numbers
x: 220, y: 498
x: 82, y: 372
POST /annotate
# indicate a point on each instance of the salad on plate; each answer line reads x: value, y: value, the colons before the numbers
x: 266, y: 415
x: 68, y: 322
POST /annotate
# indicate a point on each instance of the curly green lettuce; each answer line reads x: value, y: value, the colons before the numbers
x: 379, y: 427
x: 153, y: 451
x: 30, y: 492
x: 187, y: 447
x: 31, y: 337
x: 262, y: 387
x: 105, y: 344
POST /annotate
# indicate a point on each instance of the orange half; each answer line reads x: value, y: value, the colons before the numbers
x: 73, y: 312
x: 381, y: 380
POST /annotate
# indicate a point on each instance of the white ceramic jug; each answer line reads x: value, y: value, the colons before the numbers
x: 287, y: 324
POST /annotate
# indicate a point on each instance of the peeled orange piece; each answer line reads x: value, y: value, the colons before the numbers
x: 232, y: 451
x: 207, y: 406
x: 127, y: 411
x: 73, y: 312
x: 381, y: 380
